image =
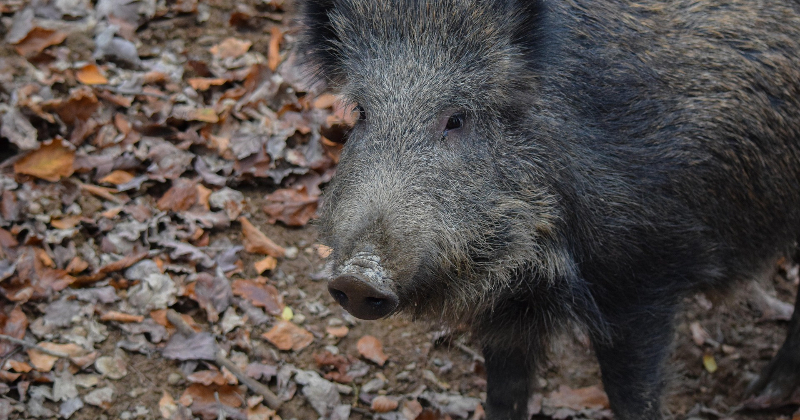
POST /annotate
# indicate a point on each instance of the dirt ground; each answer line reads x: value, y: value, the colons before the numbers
x: 740, y: 340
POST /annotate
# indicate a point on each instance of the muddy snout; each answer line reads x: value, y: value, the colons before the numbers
x: 363, y: 300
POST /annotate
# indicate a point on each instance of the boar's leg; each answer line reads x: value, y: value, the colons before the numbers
x: 509, y: 375
x: 631, y: 361
x: 782, y: 375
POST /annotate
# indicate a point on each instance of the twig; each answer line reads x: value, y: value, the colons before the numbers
x: 33, y: 346
x: 133, y: 92
x: 469, y: 351
x: 272, y: 400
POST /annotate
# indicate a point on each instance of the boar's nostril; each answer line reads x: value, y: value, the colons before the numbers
x: 360, y: 298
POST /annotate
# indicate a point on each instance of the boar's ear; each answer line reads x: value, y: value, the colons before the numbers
x: 533, y: 31
x: 318, y: 41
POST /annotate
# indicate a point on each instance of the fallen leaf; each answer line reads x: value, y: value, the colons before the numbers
x: 383, y: 404
x: 102, y: 397
x: 67, y: 222
x: 37, y: 40
x: 323, y: 251
x: 188, y: 113
x: 121, y: 317
x: 326, y: 100
x: 167, y: 406
x: 372, y: 349
x: 44, y: 362
x: 18, y: 366
x: 91, y: 74
x: 290, y: 206
x: 200, y: 346
x: 258, y: 243
x: 577, y: 399
x: 338, y: 332
x: 117, y: 178
x: 268, y: 263
x: 50, y: 161
x: 288, y: 336
x: 209, y: 377
x: 230, y: 48
x: 200, y: 394
x: 14, y: 325
x: 204, y: 83
x: 263, y: 295
x: 709, y: 363
x: 274, y: 49
x: 180, y: 197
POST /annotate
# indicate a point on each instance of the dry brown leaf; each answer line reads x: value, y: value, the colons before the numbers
x: 210, y: 377
x: 372, y: 349
x: 180, y: 197
x: 268, y: 263
x: 121, y: 317
x: 14, y: 325
x: 383, y: 404
x: 326, y: 100
x: 263, y: 295
x: 117, y: 177
x: 323, y: 250
x: 91, y: 74
x: 45, y: 362
x: 8, y: 377
x: 79, y: 107
x: 50, y: 161
x: 230, y: 48
x: 578, y: 399
x: 290, y: 206
x: 160, y: 317
x: 187, y: 113
x: 338, y: 332
x: 274, y: 51
x: 18, y: 366
x: 76, y: 265
x: 288, y: 336
x: 200, y: 394
x: 37, y: 40
x: 67, y: 222
x: 204, y: 83
x: 167, y: 406
x: 104, y: 193
x: 258, y: 243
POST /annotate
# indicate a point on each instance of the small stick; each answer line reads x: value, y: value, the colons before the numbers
x: 469, y: 351
x: 272, y: 400
x: 33, y: 346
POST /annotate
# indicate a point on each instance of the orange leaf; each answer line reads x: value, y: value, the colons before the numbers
x: 14, y: 324
x: 230, y: 48
x: 258, y: 243
x: 203, y: 83
x: 117, y: 177
x: 290, y: 206
x: 68, y: 222
x: 372, y: 349
x: 268, y: 263
x: 45, y: 362
x: 287, y: 336
x: 326, y: 100
x: 274, y: 52
x: 337, y: 332
x: 90, y: 74
x: 121, y: 317
x: 37, y: 40
x: 50, y: 162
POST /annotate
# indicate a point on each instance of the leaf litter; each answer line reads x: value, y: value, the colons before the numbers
x: 141, y: 173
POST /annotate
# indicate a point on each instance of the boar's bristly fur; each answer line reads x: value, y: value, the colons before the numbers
x: 523, y: 167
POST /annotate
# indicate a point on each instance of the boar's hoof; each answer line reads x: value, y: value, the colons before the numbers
x: 360, y: 298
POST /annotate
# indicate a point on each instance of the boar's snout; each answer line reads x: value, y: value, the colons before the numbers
x: 360, y: 298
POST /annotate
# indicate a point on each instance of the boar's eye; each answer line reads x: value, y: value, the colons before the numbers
x: 362, y: 114
x: 455, y: 122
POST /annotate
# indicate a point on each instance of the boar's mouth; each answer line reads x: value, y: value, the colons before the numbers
x: 362, y: 288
